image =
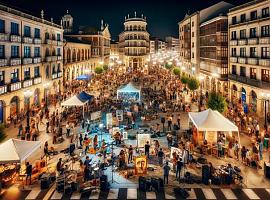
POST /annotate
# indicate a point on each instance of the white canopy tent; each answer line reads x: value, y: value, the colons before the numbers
x: 212, y: 121
x: 15, y: 150
x: 74, y: 101
x: 129, y: 89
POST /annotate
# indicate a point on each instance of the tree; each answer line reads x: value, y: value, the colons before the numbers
x: 193, y: 84
x: 176, y: 71
x: 184, y: 79
x: 168, y: 66
x: 105, y: 67
x: 98, y: 70
x: 217, y: 102
x: 2, y: 132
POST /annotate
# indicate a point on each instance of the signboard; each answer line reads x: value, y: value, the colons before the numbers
x: 96, y: 115
x: 119, y: 115
x: 109, y: 120
x: 125, y: 135
x: 140, y: 165
x: 177, y: 151
x: 142, y: 139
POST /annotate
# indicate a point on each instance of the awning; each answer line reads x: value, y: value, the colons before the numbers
x: 74, y: 101
x: 83, y: 96
x: 84, y: 77
x: 14, y: 150
x: 130, y: 87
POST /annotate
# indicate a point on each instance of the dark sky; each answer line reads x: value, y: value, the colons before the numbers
x: 162, y: 15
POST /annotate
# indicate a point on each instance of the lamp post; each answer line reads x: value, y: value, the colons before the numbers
x: 27, y: 95
x: 265, y: 98
x: 46, y: 86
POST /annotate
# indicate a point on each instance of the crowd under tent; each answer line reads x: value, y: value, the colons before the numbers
x: 129, y: 92
x: 74, y: 101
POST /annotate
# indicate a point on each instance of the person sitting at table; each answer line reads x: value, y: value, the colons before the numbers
x: 219, y: 148
x: 59, y: 166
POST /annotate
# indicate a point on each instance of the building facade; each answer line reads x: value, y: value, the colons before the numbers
x: 249, y: 54
x: 30, y: 55
x: 172, y: 44
x: 157, y: 45
x: 214, y: 55
x: 134, y: 42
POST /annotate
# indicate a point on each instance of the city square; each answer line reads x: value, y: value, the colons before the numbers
x: 145, y: 104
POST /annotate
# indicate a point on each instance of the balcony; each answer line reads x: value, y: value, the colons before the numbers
x: 242, y: 42
x: 37, y: 60
x: 48, y: 41
x: 59, y: 43
x: 37, y: 80
x: 15, y: 38
x: 28, y: 40
x: 232, y: 77
x: 254, y: 82
x: 242, y: 79
x: 27, y: 83
x: 48, y: 58
x: 3, y: 62
x: 15, y: 86
x: 59, y: 57
x: 3, y: 89
x: 27, y: 61
x: 233, y: 42
x: 233, y: 59
x: 242, y: 60
x: 245, y: 80
x: 252, y: 41
x: 54, y: 58
x: 15, y: 61
x: 264, y: 40
x: 252, y: 61
x: 54, y: 76
x: 265, y: 85
x: 4, y: 37
x: 37, y: 41
x: 54, y: 42
x: 264, y: 62
x: 59, y: 74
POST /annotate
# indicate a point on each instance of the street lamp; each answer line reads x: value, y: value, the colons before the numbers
x: 46, y: 86
x: 265, y: 98
x: 27, y: 94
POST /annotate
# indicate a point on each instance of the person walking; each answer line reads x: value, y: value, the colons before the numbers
x: 130, y: 154
x: 178, y: 120
x: 160, y: 157
x: 147, y: 149
x: 28, y: 173
x: 81, y: 139
x: 166, y: 170
x: 68, y: 129
x: 179, y: 165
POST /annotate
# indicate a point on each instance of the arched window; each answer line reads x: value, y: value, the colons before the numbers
x: 47, y: 35
x: 47, y: 52
x: 78, y: 55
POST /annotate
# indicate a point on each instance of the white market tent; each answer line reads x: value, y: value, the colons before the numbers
x: 74, y: 101
x: 129, y: 89
x: 212, y: 121
x: 17, y: 151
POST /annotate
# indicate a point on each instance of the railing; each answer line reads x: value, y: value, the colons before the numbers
x: 233, y: 59
x: 37, y: 80
x: 59, y: 57
x: 37, y: 60
x: 242, y: 42
x: 233, y: 42
x: 264, y: 62
x: 54, y: 76
x: 3, y: 62
x: 27, y: 61
x: 252, y: 61
x: 48, y: 58
x: 253, y: 41
x: 15, y: 38
x: 15, y: 61
x: 54, y: 42
x: 59, y: 43
x: 59, y: 74
x: 28, y: 40
x: 27, y: 83
x: 15, y: 86
x: 54, y: 58
x: 242, y: 60
x: 4, y: 37
x: 264, y: 40
x: 48, y: 41
x: 3, y: 89
x: 37, y: 40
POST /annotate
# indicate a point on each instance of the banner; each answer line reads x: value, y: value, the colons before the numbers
x: 109, y: 120
x: 142, y: 139
x: 96, y: 115
x: 119, y: 115
x: 140, y: 165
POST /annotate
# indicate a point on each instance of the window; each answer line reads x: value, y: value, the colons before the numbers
x: 243, y: 34
x: 27, y: 52
x: 252, y: 32
x: 192, y: 44
x: 37, y: 33
x: 192, y: 55
x: 265, y: 31
x: 36, y: 72
x: 265, y: 52
x: 243, y: 52
x: 253, y: 53
x: 58, y: 51
x: 2, y: 77
x: 58, y: 67
x: 14, y: 51
x: 192, y: 24
x: 265, y: 75
x: 27, y: 73
x: 253, y: 73
x: 58, y: 37
x: 234, y: 20
x: 2, y: 51
x: 233, y: 52
x: 53, y: 69
x: 253, y: 15
x: 192, y: 34
x: 233, y: 35
x: 265, y: 12
x: 243, y: 18
x: 14, y: 28
x: 37, y: 52
x: 2, y: 26
x: 242, y: 71
x: 27, y: 31
x: 234, y: 72
x: 14, y: 76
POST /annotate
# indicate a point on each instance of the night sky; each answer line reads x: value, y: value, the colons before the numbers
x: 162, y: 15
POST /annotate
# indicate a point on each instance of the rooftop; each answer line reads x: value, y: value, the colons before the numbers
x: 246, y: 5
x: 75, y: 40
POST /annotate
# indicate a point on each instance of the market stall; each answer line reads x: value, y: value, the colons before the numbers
x: 129, y: 92
x: 84, y: 77
x: 208, y: 125
x: 74, y: 101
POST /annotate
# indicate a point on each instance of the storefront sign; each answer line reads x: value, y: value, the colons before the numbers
x: 142, y: 139
x: 140, y: 165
